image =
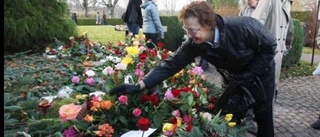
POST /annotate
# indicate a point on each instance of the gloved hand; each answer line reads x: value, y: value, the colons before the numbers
x: 125, y: 89
x: 243, y: 78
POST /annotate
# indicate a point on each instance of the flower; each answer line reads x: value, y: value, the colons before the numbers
x: 136, y: 112
x: 70, y: 132
x: 75, y: 79
x: 181, y: 105
x: 144, y: 124
x: 69, y: 111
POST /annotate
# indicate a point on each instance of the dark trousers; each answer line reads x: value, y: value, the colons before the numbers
x: 153, y: 38
x: 263, y: 112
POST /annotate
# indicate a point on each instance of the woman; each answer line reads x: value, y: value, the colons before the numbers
x: 240, y: 47
x: 152, y: 26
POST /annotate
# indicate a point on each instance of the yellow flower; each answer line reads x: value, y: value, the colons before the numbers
x: 168, y: 127
x: 179, y: 121
x: 228, y: 117
x: 232, y: 124
x: 80, y: 97
x: 133, y: 50
x: 127, y: 60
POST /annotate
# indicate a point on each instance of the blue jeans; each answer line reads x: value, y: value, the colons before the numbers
x: 133, y: 28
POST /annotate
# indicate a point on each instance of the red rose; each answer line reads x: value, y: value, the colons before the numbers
x: 189, y: 127
x: 154, y: 99
x: 144, y: 98
x: 176, y: 92
x: 211, y: 106
x: 143, y: 56
x: 160, y: 44
x: 143, y: 124
x: 153, y: 52
x: 173, y: 120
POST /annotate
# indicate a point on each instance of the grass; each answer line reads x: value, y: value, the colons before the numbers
x: 102, y: 33
x: 309, y: 50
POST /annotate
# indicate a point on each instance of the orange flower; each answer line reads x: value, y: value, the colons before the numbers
x: 69, y: 112
x: 88, y: 118
x: 106, y: 104
x: 105, y: 130
x: 95, y: 106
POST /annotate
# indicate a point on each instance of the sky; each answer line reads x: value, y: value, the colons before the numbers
x: 160, y: 3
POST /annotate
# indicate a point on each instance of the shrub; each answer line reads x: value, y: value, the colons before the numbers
x: 32, y: 24
x: 294, y: 55
x: 174, y: 35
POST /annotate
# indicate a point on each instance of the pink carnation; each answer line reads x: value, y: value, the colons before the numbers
x: 136, y: 112
x: 75, y: 79
x: 90, y: 81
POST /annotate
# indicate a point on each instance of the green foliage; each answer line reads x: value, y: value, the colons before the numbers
x: 174, y: 36
x: 301, y: 69
x: 294, y: 55
x: 30, y: 25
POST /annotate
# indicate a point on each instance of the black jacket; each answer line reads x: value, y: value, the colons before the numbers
x: 245, y: 45
x: 133, y: 12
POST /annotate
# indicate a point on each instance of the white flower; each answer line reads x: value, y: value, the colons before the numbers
x: 108, y: 71
x: 97, y: 93
x: 90, y: 73
x: 121, y: 66
x: 205, y: 116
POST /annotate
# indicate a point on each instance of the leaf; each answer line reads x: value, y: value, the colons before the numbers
x: 123, y: 120
x: 12, y: 108
x: 190, y: 100
x: 157, y: 119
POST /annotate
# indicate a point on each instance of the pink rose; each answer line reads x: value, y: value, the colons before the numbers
x: 75, y: 79
x: 169, y: 95
x: 136, y: 112
x: 176, y: 113
x: 69, y: 111
x: 90, y: 81
x: 197, y: 70
x: 123, y: 99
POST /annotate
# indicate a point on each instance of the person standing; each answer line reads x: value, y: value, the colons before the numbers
x: 241, y: 47
x: 133, y: 16
x: 104, y: 18
x: 74, y: 17
x: 248, y: 9
x: 275, y: 15
x: 98, y: 18
x: 152, y: 26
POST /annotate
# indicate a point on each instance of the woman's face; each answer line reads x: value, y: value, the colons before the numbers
x: 198, y: 33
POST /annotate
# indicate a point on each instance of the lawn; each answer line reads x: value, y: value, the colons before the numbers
x: 102, y: 33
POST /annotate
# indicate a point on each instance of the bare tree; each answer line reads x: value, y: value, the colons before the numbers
x: 110, y: 4
x: 86, y: 5
x: 169, y: 6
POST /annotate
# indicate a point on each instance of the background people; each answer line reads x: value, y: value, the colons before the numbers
x: 74, y: 17
x: 275, y: 15
x: 152, y: 26
x: 133, y: 17
x: 240, y: 47
x: 104, y: 18
x: 98, y: 18
x: 248, y: 9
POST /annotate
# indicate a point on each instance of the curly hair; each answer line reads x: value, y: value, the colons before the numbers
x: 201, y: 10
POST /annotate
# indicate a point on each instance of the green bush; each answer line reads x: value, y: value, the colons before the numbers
x: 92, y: 21
x: 294, y: 55
x: 174, y: 35
x: 33, y: 24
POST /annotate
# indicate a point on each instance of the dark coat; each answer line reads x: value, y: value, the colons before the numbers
x: 133, y: 13
x: 245, y: 45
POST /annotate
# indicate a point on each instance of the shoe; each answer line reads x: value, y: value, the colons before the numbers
x: 316, y: 125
